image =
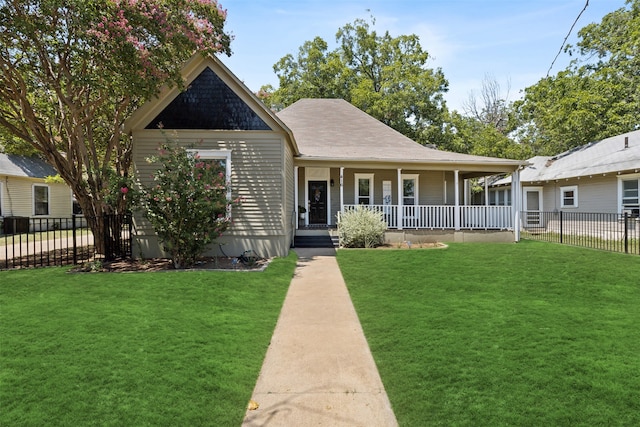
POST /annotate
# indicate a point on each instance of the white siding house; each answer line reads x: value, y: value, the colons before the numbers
x: 26, y: 193
x: 602, y: 176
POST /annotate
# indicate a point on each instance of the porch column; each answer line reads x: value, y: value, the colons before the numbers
x: 341, y: 189
x: 486, y: 191
x: 456, y: 184
x: 467, y: 193
x: 400, y: 193
x: 295, y: 195
x: 516, y: 203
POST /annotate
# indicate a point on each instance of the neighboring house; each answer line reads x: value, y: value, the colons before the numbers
x: 24, y: 192
x: 323, y: 155
x: 602, y: 176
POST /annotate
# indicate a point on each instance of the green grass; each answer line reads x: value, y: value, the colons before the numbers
x: 494, y: 335
x: 170, y: 348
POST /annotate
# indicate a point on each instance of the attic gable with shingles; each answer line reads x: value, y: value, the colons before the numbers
x: 333, y: 129
x: 208, y: 103
x: 249, y: 111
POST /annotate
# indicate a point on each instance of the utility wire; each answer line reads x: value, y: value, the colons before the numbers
x: 568, y: 34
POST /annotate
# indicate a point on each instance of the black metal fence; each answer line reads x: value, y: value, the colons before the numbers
x: 610, y: 232
x: 41, y: 242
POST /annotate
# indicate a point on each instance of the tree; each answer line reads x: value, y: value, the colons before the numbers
x: 486, y: 125
x: 491, y: 109
x: 385, y: 76
x: 597, y: 96
x: 71, y: 72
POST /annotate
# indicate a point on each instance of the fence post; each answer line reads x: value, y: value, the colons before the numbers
x: 626, y: 233
x: 75, y: 246
x: 561, y: 227
x: 129, y: 219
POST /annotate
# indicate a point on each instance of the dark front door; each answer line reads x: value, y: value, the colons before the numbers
x: 317, y: 202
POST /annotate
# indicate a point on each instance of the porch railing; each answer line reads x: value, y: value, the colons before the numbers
x: 443, y: 217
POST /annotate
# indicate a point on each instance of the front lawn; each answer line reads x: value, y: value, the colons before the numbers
x: 502, y: 334
x: 167, y: 348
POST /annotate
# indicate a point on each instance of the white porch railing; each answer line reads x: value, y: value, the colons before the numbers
x: 443, y: 217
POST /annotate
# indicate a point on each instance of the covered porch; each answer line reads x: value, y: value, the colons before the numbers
x: 408, y: 198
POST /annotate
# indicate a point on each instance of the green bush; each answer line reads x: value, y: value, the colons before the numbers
x: 361, y: 228
x: 187, y: 203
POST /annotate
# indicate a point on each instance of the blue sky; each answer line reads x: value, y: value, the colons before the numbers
x: 513, y: 41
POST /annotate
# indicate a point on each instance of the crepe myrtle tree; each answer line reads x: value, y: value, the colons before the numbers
x: 187, y: 202
x: 71, y: 72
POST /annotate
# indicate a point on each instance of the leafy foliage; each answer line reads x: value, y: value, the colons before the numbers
x: 71, y: 72
x: 596, y: 97
x: 187, y: 203
x: 361, y: 228
x: 385, y: 76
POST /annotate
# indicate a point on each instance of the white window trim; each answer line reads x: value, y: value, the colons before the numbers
x: 568, y: 188
x: 1, y: 200
x: 33, y: 199
x: 622, y: 178
x: 416, y: 178
x: 219, y: 155
x: 358, y: 177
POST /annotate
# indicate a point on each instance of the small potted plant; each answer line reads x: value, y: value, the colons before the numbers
x: 302, y: 212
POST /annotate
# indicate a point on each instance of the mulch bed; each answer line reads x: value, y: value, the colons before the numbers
x: 164, y: 264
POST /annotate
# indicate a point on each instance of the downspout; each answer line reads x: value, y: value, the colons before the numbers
x: 295, y: 195
x: 341, y: 189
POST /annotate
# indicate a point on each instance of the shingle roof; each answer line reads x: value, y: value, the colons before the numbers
x: 333, y: 129
x: 28, y: 167
x: 599, y: 157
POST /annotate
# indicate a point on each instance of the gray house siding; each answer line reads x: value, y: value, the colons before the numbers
x: 258, y: 177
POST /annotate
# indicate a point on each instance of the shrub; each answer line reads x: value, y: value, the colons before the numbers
x: 187, y: 203
x: 361, y: 228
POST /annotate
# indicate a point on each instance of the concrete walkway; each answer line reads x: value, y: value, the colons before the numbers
x: 318, y: 370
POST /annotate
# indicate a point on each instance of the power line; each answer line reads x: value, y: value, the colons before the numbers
x: 568, y: 34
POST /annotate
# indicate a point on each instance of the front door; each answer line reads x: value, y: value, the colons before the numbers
x: 317, y: 202
x: 533, y: 206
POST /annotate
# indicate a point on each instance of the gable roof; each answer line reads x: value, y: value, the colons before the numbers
x: 611, y: 155
x: 208, y: 103
x: 25, y: 167
x: 193, y: 68
x: 333, y: 129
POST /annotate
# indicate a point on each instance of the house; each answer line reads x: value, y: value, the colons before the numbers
x: 26, y: 193
x: 602, y: 176
x: 323, y: 155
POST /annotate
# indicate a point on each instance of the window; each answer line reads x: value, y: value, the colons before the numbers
x: 364, y: 189
x: 631, y: 196
x: 0, y: 200
x: 41, y: 200
x: 410, y: 190
x: 630, y: 193
x: 569, y: 196
x: 222, y: 160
